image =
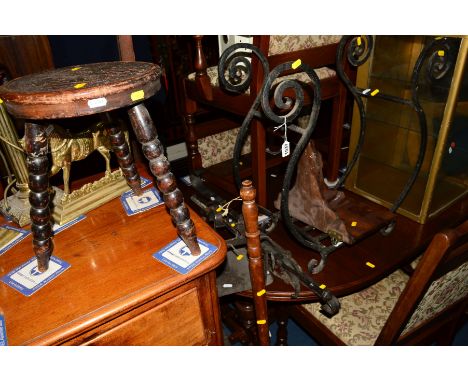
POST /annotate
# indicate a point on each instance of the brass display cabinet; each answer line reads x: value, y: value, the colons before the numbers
x: 395, y: 131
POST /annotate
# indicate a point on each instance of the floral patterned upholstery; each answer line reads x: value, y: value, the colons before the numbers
x: 291, y: 43
x: 442, y: 293
x: 363, y: 314
x: 217, y: 148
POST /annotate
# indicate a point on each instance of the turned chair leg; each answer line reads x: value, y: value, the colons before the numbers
x: 282, y: 321
x: 146, y: 134
x: 195, y: 160
x: 38, y: 164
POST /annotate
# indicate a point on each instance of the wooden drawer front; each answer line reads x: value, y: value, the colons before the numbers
x: 177, y: 321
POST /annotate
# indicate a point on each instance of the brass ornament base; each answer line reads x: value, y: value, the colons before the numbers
x: 18, y: 209
x: 88, y: 197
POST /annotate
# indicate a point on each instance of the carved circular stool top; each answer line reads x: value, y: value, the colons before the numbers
x: 80, y: 90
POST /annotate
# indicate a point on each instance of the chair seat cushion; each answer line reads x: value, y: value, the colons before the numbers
x: 363, y: 314
x: 219, y: 147
x: 322, y: 74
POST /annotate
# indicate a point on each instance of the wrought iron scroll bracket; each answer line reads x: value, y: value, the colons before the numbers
x: 234, y: 73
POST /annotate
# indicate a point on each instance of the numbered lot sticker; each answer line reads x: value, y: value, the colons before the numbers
x: 177, y: 255
x: 134, y: 204
x: 27, y: 279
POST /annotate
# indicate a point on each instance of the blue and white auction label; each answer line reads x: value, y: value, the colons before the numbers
x: 11, y: 236
x: 177, y: 255
x: 3, y: 337
x: 144, y: 182
x: 27, y: 279
x: 56, y: 228
x: 134, y: 204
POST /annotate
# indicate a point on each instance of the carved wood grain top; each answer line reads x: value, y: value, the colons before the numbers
x: 80, y: 90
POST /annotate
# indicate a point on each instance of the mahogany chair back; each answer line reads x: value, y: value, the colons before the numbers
x: 437, y: 292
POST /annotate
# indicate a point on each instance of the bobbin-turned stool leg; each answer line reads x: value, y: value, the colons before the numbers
x: 124, y: 156
x: 146, y: 134
x: 38, y: 165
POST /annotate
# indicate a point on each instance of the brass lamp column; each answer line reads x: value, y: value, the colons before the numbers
x: 17, y: 205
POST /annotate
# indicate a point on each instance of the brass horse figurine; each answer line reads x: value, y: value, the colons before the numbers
x: 66, y: 148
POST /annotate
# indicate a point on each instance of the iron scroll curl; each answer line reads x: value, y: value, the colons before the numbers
x: 358, y: 51
x: 288, y: 99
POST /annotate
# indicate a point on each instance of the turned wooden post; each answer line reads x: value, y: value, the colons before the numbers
x: 126, y: 51
x: 38, y: 166
x: 201, y: 77
x: 195, y: 160
x: 146, y: 134
x: 256, y: 268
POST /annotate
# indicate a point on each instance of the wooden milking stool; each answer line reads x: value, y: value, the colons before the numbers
x: 86, y: 90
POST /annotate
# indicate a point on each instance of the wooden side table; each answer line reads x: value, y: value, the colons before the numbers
x: 115, y: 292
x: 86, y: 90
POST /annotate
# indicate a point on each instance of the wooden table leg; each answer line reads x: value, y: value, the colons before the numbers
x: 256, y: 268
x: 38, y: 164
x: 146, y: 134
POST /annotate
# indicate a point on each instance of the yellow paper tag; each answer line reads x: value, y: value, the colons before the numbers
x: 323, y: 286
x: 441, y: 53
x: 261, y: 293
x: 374, y: 92
x: 353, y: 224
x: 1, y: 101
x: 370, y: 265
x: 233, y: 225
x: 76, y: 68
x: 79, y: 86
x: 239, y: 257
x: 139, y: 94
x: 359, y: 42
x: 261, y: 322
x: 296, y: 64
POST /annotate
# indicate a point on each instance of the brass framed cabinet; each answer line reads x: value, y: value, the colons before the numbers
x: 431, y: 73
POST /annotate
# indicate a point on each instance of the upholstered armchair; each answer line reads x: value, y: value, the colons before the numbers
x: 420, y: 308
x: 212, y: 142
